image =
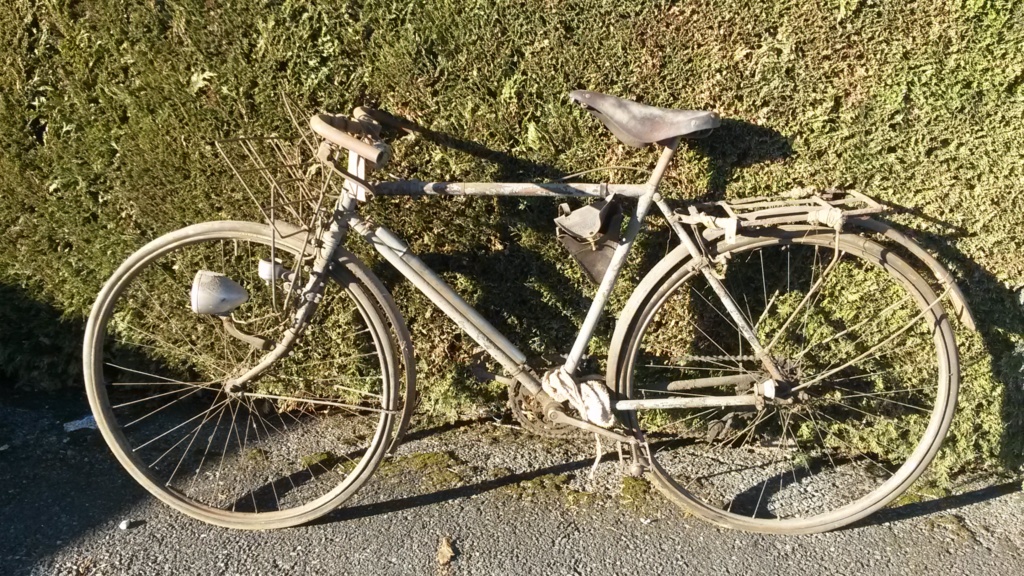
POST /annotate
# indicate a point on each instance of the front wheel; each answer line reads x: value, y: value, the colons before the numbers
x: 870, y: 380
x: 286, y: 447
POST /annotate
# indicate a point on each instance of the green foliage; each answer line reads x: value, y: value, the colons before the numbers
x: 310, y: 460
x: 107, y: 109
x: 635, y: 494
x: 434, y: 470
x: 40, y: 350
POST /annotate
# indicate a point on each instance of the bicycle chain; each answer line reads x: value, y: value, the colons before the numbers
x: 528, y: 415
x: 716, y: 358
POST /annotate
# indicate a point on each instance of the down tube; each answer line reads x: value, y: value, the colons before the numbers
x: 398, y: 254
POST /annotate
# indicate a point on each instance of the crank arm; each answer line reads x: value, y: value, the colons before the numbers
x: 560, y: 417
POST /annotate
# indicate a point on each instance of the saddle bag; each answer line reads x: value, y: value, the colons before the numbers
x: 591, y: 234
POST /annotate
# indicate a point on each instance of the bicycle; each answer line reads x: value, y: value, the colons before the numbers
x: 778, y: 370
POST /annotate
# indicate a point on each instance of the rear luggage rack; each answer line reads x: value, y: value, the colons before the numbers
x: 829, y: 208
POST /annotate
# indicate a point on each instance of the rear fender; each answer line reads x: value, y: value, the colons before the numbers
x: 942, y: 275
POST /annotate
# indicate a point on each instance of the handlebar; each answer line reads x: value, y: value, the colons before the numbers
x: 325, y: 126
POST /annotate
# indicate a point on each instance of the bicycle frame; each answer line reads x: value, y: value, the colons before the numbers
x: 876, y: 330
x: 398, y: 254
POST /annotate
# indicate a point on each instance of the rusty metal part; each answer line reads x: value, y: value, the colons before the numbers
x: 363, y: 117
x: 827, y: 208
x: 717, y: 227
x: 560, y: 417
x: 692, y: 402
x: 712, y: 382
x: 529, y: 413
x: 326, y: 126
x: 256, y: 342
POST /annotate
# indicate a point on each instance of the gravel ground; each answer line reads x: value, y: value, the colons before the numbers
x: 507, y: 502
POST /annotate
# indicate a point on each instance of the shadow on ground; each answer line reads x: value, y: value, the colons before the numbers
x: 55, y: 486
x: 939, y: 505
x: 40, y: 350
x: 890, y: 514
x: 455, y: 493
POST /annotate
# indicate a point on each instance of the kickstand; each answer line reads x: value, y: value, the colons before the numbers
x: 597, y: 458
x: 622, y: 458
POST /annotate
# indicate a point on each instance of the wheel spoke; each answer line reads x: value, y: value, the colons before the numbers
x: 195, y: 435
x: 910, y: 324
x: 162, y: 394
x: 810, y: 293
x: 315, y: 401
x: 250, y: 453
x: 853, y: 333
x: 192, y: 419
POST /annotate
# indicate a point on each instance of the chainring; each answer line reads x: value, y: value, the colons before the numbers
x: 527, y: 412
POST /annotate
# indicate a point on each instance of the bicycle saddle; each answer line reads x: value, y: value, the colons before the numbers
x: 638, y: 124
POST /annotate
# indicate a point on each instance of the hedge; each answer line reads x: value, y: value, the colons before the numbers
x: 108, y: 107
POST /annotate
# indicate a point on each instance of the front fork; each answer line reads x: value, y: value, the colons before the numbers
x: 310, y: 295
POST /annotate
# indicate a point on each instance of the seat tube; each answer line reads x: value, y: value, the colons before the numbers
x: 619, y: 260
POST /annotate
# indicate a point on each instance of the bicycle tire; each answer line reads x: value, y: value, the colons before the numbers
x: 306, y: 444
x: 831, y: 457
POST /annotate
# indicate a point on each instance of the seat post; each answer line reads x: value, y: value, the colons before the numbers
x: 663, y: 163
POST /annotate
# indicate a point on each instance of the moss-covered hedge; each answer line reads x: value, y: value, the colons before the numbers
x: 107, y: 108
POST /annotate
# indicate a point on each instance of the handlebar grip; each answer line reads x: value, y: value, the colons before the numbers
x: 364, y: 117
x: 382, y: 117
x: 320, y: 123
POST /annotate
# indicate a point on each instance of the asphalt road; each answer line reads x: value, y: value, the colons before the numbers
x: 508, y: 503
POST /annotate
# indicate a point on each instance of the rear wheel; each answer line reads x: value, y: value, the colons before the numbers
x: 871, y: 377
x: 293, y: 443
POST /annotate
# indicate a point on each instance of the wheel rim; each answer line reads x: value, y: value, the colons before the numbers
x: 298, y: 440
x: 854, y: 436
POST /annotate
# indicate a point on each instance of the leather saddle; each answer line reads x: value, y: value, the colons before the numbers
x: 639, y: 125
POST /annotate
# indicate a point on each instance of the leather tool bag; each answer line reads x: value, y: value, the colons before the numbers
x: 591, y: 234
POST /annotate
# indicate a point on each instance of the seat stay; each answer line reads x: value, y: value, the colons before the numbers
x: 740, y: 321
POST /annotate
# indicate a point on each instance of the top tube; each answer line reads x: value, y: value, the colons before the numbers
x: 555, y: 189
